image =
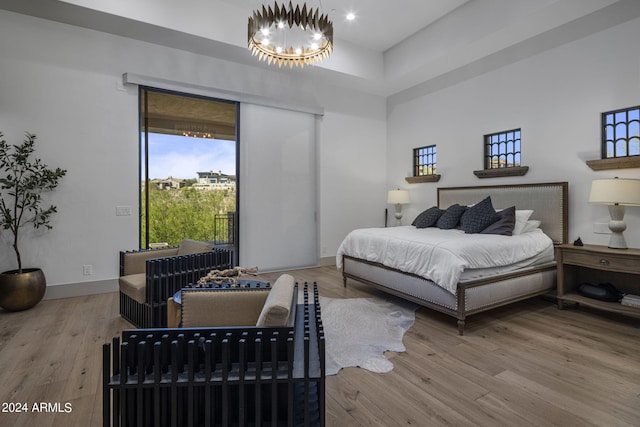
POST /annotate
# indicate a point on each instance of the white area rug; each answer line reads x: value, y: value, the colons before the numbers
x: 359, y: 330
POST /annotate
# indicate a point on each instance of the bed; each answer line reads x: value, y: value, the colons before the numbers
x: 475, y: 289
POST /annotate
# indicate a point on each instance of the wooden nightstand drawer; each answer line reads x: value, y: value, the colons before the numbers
x: 602, y: 261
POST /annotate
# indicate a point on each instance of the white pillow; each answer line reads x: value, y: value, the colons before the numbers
x: 276, y: 308
x: 531, y: 225
x: 522, y: 216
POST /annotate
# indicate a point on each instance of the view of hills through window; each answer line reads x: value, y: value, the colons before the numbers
x: 187, y: 169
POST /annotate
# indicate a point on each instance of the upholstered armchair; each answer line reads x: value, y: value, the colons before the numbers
x: 250, y: 306
x: 225, y: 375
x: 149, y: 277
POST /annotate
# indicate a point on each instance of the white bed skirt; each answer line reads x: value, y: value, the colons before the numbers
x: 473, y: 296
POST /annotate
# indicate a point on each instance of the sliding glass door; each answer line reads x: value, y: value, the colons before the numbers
x: 188, y: 169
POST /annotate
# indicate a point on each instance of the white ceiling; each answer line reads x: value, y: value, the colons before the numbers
x: 393, y: 48
x: 378, y: 26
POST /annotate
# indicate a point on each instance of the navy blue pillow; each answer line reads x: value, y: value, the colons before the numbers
x: 478, y: 217
x: 451, y: 217
x: 503, y: 226
x: 428, y: 218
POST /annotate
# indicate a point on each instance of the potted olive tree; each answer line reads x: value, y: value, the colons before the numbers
x: 22, y: 182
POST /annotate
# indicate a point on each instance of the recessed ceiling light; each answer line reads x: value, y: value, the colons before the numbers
x: 351, y: 16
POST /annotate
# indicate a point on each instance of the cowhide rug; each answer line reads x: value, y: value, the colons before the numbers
x: 359, y: 330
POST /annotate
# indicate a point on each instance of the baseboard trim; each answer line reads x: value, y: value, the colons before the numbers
x: 322, y: 262
x: 71, y: 290
x: 81, y: 289
x: 327, y: 261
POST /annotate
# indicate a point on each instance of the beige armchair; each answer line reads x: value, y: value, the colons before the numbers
x: 149, y: 277
x: 274, y: 306
x: 228, y: 375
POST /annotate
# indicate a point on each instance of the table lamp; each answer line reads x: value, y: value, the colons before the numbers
x: 617, y: 193
x: 398, y: 197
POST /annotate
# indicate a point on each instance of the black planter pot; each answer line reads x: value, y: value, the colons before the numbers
x: 21, y: 291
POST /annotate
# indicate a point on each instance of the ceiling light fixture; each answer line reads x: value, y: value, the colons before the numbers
x: 290, y: 36
x: 195, y: 130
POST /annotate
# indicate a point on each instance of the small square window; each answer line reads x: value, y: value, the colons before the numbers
x: 621, y: 133
x: 424, y: 161
x: 502, y: 149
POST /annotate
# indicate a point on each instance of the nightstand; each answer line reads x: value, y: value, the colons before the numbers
x: 597, y: 264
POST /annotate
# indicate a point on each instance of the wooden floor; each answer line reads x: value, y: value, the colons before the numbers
x: 528, y: 364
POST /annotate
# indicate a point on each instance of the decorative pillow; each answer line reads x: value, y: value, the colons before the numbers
x: 451, y: 217
x: 189, y: 247
x: 479, y: 216
x: 531, y: 225
x: 428, y: 218
x: 522, y: 216
x: 503, y: 226
x: 276, y: 309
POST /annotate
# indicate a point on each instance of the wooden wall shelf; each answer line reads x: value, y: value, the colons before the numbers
x: 501, y: 172
x: 422, y: 178
x: 617, y: 163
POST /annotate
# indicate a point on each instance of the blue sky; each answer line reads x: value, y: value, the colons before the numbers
x: 182, y: 157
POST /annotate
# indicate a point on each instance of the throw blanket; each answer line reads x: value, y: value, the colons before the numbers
x: 440, y: 255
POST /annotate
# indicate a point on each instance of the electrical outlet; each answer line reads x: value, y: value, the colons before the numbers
x: 601, y: 228
x: 123, y: 210
x: 87, y: 270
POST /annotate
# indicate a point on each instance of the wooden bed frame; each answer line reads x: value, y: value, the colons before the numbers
x: 549, y: 202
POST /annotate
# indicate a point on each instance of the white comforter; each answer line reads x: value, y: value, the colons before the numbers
x: 440, y: 255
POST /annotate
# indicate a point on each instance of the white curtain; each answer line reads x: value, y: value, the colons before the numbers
x: 277, y: 188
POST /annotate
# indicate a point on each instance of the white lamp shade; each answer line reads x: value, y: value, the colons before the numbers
x: 625, y: 192
x: 396, y: 197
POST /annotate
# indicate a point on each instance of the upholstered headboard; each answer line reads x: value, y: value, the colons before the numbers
x: 549, y: 202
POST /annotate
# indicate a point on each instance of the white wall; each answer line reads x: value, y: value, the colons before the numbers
x: 64, y: 84
x: 352, y: 167
x: 556, y: 97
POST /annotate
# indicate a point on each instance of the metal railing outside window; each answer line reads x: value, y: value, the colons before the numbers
x: 225, y: 230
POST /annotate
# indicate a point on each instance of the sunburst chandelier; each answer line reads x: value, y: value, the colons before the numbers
x: 290, y: 36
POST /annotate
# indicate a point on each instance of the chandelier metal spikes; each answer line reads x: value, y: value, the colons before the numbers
x: 290, y: 36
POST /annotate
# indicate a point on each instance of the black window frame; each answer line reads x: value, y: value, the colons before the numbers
x: 424, y: 161
x: 489, y: 141
x: 627, y: 123
x: 227, y: 222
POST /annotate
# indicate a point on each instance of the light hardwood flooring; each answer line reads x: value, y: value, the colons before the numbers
x: 528, y: 364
